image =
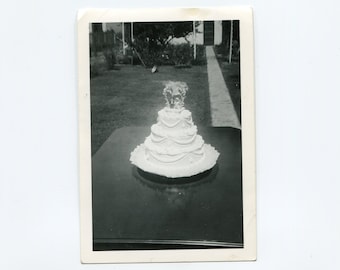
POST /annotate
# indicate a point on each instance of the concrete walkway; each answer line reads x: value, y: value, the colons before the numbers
x: 221, y: 106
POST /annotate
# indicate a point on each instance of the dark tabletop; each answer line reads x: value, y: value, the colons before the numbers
x: 136, y: 210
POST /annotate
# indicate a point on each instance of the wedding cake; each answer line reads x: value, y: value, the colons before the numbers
x: 174, y: 149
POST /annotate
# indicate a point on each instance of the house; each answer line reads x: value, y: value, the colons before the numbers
x: 207, y: 32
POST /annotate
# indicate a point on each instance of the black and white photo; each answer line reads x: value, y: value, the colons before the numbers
x: 167, y: 152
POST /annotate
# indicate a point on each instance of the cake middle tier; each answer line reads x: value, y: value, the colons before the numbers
x: 173, y: 144
x: 180, y: 138
x: 173, y: 154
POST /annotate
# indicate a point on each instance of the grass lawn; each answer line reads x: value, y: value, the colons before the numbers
x: 132, y: 96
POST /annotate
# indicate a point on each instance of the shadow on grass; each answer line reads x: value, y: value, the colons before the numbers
x: 132, y: 96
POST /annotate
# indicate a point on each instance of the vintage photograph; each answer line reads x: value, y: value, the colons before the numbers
x: 165, y: 141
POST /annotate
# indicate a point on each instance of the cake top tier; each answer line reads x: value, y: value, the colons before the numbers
x: 174, y: 93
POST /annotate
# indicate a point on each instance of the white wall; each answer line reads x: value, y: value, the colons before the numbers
x: 200, y: 35
x: 217, y: 32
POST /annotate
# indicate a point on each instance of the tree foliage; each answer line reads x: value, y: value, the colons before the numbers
x: 152, y: 38
x: 160, y: 33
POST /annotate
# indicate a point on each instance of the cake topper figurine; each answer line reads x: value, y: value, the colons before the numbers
x: 174, y: 93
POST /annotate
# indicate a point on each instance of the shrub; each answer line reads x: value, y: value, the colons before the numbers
x: 110, y: 58
x: 222, y: 51
x: 98, y: 65
x: 200, y: 56
x: 181, y: 54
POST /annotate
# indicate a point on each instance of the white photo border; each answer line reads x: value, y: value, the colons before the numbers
x: 245, y: 17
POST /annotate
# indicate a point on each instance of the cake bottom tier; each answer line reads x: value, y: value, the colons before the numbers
x: 190, y: 164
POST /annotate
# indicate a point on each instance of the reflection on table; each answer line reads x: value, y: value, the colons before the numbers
x: 133, y: 209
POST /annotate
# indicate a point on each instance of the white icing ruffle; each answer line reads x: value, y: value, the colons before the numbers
x: 173, y: 147
x: 160, y: 131
x: 209, y: 159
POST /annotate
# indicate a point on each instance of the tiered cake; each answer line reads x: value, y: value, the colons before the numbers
x: 174, y: 149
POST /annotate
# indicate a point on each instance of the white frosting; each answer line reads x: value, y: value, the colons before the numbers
x: 173, y: 148
x: 173, y: 140
x: 174, y: 119
x: 207, y: 162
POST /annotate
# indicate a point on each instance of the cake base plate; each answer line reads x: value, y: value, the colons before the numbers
x: 207, y: 162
